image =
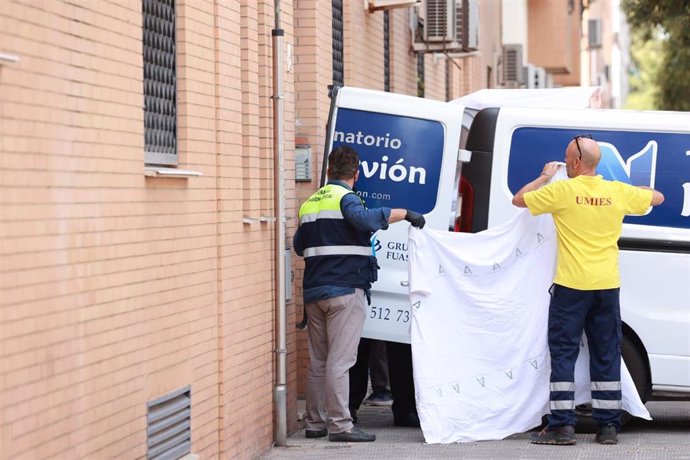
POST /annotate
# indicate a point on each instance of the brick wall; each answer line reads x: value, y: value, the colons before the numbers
x: 117, y: 288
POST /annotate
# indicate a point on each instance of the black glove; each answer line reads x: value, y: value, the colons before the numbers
x: 415, y: 218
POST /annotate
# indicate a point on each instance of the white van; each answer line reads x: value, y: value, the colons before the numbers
x: 410, y: 158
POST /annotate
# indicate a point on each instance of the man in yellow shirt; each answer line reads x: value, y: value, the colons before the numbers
x: 588, y: 212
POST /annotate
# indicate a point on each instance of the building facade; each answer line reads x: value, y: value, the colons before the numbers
x: 137, y: 212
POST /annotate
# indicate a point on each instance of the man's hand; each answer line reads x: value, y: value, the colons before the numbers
x: 550, y: 169
x: 415, y: 218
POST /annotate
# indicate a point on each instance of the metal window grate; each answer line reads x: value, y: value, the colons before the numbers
x: 420, y: 74
x: 338, y: 41
x: 160, y: 102
x: 386, y: 51
x: 168, y: 430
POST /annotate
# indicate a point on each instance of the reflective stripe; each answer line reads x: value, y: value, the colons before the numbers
x: 568, y: 404
x: 606, y: 386
x: 337, y: 251
x: 326, y: 214
x: 606, y: 403
x: 562, y: 386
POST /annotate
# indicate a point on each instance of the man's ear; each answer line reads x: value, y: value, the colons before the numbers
x: 356, y: 174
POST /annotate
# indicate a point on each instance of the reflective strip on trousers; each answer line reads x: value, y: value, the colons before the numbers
x: 327, y: 214
x: 606, y: 404
x: 562, y: 386
x: 337, y: 251
x: 568, y: 404
x: 606, y: 386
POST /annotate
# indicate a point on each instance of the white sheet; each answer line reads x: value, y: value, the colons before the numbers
x: 479, y: 331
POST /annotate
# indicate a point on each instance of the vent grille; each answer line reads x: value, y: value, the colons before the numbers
x: 512, y: 64
x: 438, y: 22
x: 168, y: 430
x: 302, y: 163
x: 338, y: 41
x: 160, y: 103
x: 386, y: 51
x: 594, y: 33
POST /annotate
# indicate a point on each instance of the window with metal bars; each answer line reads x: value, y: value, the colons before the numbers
x: 420, y: 74
x: 386, y: 51
x: 160, y: 78
x: 338, y: 64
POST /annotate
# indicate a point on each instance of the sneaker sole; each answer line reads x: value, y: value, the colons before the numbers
x: 554, y: 442
x: 378, y: 403
x: 608, y: 442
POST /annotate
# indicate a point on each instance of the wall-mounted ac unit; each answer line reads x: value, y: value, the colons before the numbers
x: 450, y: 25
x: 512, y: 64
x: 375, y: 5
x: 594, y: 33
x: 439, y: 21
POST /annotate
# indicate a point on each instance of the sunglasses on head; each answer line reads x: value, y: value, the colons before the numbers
x: 580, y: 136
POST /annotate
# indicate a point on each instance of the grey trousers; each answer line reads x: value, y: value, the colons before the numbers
x: 334, y: 329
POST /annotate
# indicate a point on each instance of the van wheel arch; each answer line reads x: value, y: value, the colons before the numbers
x: 637, y: 360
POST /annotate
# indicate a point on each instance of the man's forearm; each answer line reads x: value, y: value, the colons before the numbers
x: 519, y: 198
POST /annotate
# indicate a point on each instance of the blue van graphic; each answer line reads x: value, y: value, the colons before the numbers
x: 400, y: 157
x: 639, y: 169
x: 657, y: 160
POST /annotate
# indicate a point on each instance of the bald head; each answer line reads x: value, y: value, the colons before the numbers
x: 582, y: 157
x: 591, y: 153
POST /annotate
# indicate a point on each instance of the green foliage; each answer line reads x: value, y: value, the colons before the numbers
x: 667, y: 81
x: 645, y: 63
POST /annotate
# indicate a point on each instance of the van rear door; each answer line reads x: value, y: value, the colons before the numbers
x: 408, y: 149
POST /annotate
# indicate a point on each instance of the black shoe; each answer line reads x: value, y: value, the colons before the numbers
x: 354, y: 435
x: 410, y: 420
x: 607, y: 434
x: 561, y: 435
x: 315, y: 433
x: 379, y: 398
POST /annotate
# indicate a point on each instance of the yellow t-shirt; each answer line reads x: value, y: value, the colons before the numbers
x: 588, y: 212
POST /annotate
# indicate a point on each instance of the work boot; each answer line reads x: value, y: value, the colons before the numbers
x: 607, y: 434
x: 410, y: 419
x: 560, y: 435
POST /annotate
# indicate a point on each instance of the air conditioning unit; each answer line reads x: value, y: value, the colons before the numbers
x: 375, y: 5
x: 450, y: 25
x: 439, y: 21
x: 512, y: 64
x: 533, y: 76
x: 467, y: 23
x: 594, y: 33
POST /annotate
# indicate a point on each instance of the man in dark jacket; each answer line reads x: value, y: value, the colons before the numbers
x: 334, y: 238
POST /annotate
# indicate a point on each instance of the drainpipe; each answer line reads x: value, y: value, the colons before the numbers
x: 280, y: 390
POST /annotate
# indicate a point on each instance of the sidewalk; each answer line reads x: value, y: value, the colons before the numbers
x: 667, y: 437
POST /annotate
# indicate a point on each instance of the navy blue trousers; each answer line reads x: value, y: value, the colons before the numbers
x: 597, y: 313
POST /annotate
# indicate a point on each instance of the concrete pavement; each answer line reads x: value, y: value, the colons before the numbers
x: 666, y: 437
